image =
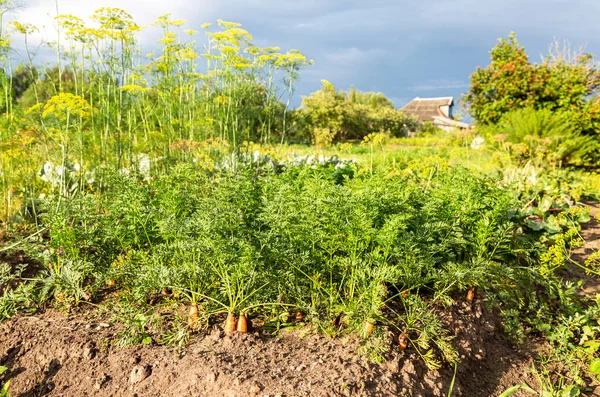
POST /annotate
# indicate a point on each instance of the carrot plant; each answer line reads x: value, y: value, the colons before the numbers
x: 344, y: 252
x: 6, y: 385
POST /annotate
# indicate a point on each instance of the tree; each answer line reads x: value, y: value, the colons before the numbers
x: 560, y: 83
x: 46, y: 87
x: 22, y: 78
x: 333, y: 115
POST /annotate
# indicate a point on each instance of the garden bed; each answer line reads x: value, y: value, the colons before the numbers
x: 54, y: 354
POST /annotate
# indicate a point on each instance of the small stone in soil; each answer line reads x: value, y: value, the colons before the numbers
x: 211, y: 377
x: 255, y: 389
x: 139, y: 373
x: 89, y: 352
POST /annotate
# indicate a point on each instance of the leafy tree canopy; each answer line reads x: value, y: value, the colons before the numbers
x: 566, y: 81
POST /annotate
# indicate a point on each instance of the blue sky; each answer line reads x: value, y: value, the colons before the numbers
x: 401, y: 48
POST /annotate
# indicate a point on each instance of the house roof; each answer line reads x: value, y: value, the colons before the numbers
x: 425, y: 109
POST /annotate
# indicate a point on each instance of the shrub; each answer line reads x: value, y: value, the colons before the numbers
x: 542, y: 136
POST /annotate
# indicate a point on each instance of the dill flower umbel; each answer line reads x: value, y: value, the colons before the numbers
x: 65, y: 104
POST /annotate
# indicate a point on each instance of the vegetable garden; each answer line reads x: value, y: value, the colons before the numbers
x: 167, y: 199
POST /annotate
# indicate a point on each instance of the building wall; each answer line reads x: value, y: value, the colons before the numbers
x: 446, y: 110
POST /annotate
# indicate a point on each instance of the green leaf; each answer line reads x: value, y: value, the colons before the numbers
x: 595, y: 366
x: 534, y: 224
x: 3, y: 369
x: 591, y: 346
x: 510, y: 391
x: 584, y: 217
x: 147, y: 340
x: 4, y: 390
x: 546, y: 203
x: 527, y: 388
x: 571, y: 391
x: 551, y: 228
x: 513, y: 389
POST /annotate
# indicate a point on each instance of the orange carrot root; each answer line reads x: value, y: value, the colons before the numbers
x: 242, y: 324
x: 471, y: 294
x: 299, y: 316
x: 402, y: 341
x: 369, y: 326
x: 230, y: 324
x: 193, y: 316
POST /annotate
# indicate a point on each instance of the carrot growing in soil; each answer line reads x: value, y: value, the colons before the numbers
x: 402, y: 341
x: 369, y: 326
x: 193, y: 315
x: 242, y: 324
x: 230, y: 324
x: 471, y: 294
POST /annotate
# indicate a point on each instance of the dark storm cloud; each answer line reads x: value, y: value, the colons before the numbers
x: 404, y: 49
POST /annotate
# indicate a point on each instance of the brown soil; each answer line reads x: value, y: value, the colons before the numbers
x: 51, y: 354
x: 56, y: 355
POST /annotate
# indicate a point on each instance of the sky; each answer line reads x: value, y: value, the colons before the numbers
x: 401, y: 48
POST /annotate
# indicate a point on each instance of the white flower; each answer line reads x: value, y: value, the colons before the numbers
x: 89, y: 177
x: 477, y: 143
x: 48, y: 167
x: 144, y: 164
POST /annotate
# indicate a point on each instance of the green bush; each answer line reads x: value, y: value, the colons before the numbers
x: 331, y: 116
x: 542, y: 136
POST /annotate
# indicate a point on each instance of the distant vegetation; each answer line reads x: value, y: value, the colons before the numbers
x: 332, y: 116
x: 549, y: 111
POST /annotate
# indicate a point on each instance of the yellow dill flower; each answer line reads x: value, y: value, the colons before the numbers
x: 374, y: 138
x: 23, y: 28
x: 178, y: 22
x: 228, y: 25
x: 168, y: 38
x: 33, y: 108
x: 162, y: 20
x: 221, y: 99
x: 133, y: 88
x: 593, y: 261
x: 4, y: 42
x: 188, y: 53
x: 228, y: 50
x: 65, y: 104
x: 345, y: 147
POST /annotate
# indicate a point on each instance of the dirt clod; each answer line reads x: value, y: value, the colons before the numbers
x: 139, y: 373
